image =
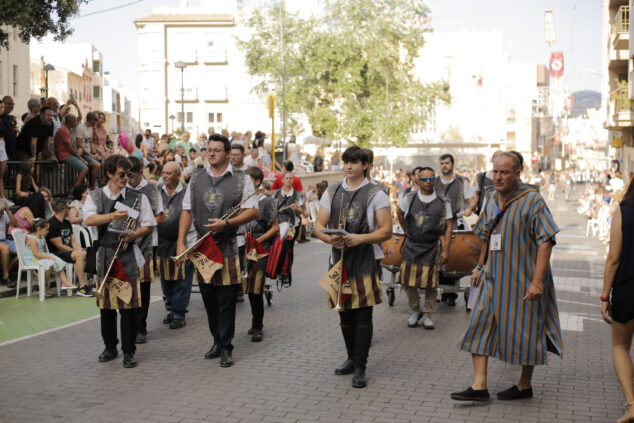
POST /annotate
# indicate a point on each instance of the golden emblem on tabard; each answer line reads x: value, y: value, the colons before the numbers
x: 213, y: 198
x: 167, y: 212
x: 420, y: 219
x: 353, y: 213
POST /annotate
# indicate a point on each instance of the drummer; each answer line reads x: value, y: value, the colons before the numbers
x: 424, y: 217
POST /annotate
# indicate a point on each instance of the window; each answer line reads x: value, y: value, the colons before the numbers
x: 96, y: 66
x: 214, y: 117
x: 15, y: 80
x: 96, y: 91
x: 188, y: 115
x: 510, y: 136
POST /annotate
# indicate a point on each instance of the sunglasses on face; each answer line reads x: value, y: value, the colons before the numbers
x: 124, y: 174
x: 428, y: 179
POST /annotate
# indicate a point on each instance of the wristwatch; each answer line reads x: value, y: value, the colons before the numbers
x: 227, y: 223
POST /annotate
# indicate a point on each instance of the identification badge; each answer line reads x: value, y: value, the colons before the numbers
x: 496, y: 242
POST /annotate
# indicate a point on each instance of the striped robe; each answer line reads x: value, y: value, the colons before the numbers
x: 502, y: 324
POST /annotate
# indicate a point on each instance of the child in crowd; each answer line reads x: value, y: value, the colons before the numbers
x: 36, y: 254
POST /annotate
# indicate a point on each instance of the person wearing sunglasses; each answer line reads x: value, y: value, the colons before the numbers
x: 103, y: 211
x: 424, y: 217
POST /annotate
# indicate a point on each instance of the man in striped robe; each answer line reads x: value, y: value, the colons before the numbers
x: 515, y: 316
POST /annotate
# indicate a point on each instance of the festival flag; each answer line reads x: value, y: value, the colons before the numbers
x: 207, y: 258
x: 118, y: 282
x: 549, y: 28
x: 557, y: 64
x: 330, y: 282
x: 255, y: 250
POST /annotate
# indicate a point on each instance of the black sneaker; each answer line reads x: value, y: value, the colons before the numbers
x: 168, y: 319
x: 514, y: 393
x: 10, y: 283
x: 129, y: 360
x: 256, y: 336
x: 469, y: 394
x: 108, y: 355
x: 141, y: 338
x: 84, y: 291
x: 177, y: 323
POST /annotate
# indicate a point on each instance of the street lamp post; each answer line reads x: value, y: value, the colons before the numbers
x: 283, y: 79
x: 182, y: 65
x: 172, y: 117
x: 47, y: 67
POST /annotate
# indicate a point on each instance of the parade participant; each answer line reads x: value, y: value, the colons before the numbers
x: 618, y: 294
x: 103, y: 209
x: 484, y: 185
x: 297, y: 183
x: 515, y: 316
x: 176, y: 277
x: 370, y: 154
x: 457, y: 190
x: 289, y: 218
x: 262, y: 229
x: 425, y: 218
x: 363, y: 210
x: 212, y: 191
x: 236, y: 157
x: 137, y: 182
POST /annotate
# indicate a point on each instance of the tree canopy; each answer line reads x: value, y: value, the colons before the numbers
x: 37, y: 18
x: 349, y: 68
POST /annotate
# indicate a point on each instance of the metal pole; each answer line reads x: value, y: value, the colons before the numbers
x: 283, y: 80
x: 387, y: 104
x: 182, y: 100
x: 46, y: 82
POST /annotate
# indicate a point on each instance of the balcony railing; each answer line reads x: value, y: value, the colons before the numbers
x: 622, y: 21
x: 58, y: 177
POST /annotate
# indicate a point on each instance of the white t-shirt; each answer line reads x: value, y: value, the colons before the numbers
x: 403, y: 204
x: 159, y: 207
x: 149, y: 143
x: 250, y: 161
x: 379, y: 201
x: 85, y: 133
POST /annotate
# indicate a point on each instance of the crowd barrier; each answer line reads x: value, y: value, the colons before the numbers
x: 58, y: 177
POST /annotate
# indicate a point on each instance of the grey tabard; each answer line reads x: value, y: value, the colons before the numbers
x: 359, y: 260
x: 424, y: 225
x: 151, y: 192
x: 168, y: 230
x: 211, y: 198
x: 268, y: 212
x: 287, y: 215
x: 110, y: 239
x: 453, y: 192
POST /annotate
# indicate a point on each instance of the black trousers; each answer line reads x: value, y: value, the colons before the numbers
x: 356, y: 328
x: 128, y: 329
x: 257, y: 310
x: 220, y: 304
x: 141, y: 313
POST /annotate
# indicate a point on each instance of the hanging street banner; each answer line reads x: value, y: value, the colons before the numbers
x: 557, y: 64
x: 549, y: 28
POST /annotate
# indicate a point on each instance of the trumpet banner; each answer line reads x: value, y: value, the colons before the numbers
x: 330, y: 282
x: 207, y: 258
x: 255, y: 250
x: 118, y: 282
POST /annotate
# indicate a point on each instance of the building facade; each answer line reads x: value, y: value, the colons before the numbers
x: 14, y: 67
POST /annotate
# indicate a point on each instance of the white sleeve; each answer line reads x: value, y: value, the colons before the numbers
x: 381, y: 201
x: 251, y: 203
x: 468, y: 190
x: 325, y: 200
x: 89, y: 208
x: 147, y: 217
x: 187, y: 198
x: 448, y: 213
x: 403, y: 204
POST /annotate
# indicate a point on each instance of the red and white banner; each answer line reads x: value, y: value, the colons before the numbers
x: 557, y: 64
x: 118, y: 282
x: 207, y: 258
x: 549, y: 28
x: 255, y: 250
x: 569, y: 103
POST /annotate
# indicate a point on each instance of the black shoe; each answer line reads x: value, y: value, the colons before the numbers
x: 346, y: 368
x: 84, y: 291
x: 240, y: 297
x: 225, y: 359
x: 108, y: 355
x: 141, y: 338
x: 10, y: 283
x: 256, y: 336
x: 470, y: 394
x: 451, y: 301
x: 129, y: 360
x: 168, y: 319
x: 250, y: 331
x: 177, y: 323
x: 514, y: 393
x: 214, y: 352
x: 358, y: 378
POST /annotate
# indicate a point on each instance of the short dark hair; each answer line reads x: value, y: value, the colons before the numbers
x: 37, y: 204
x: 45, y: 108
x: 424, y: 168
x: 238, y: 147
x: 59, y: 205
x: 370, y: 154
x: 447, y: 156
x: 519, y: 157
x: 222, y: 139
x: 417, y: 168
x: 135, y: 164
x: 256, y: 173
x: 78, y: 191
x: 115, y: 161
x: 355, y: 154
x: 288, y: 165
x: 92, y: 116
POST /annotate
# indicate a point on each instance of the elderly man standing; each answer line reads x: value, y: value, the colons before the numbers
x: 515, y: 315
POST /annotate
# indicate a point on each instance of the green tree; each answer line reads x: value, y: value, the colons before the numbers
x: 356, y: 57
x: 37, y: 18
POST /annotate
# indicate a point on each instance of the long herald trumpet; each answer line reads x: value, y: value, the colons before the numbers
x: 228, y: 215
x: 342, y: 225
x: 129, y: 225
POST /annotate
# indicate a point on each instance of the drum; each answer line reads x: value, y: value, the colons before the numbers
x: 464, y: 252
x: 392, y: 249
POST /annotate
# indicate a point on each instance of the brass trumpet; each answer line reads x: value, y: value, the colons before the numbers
x: 339, y: 306
x: 129, y: 225
x: 287, y: 207
x: 228, y: 215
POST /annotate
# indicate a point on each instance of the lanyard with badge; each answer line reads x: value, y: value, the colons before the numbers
x: 493, y: 241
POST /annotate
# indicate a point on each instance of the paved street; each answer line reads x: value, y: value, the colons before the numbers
x: 289, y: 377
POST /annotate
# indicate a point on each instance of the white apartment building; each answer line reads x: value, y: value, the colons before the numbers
x: 121, y: 106
x: 617, y: 73
x: 217, y: 86
x: 14, y: 71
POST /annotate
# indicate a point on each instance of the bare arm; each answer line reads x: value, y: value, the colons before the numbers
x: 614, y: 253
x: 73, y: 216
x: 32, y: 242
x: 321, y: 223
x: 57, y: 242
x: 401, y: 219
x: 383, y: 232
x: 444, y: 256
x: 12, y: 220
x: 102, y: 219
x: 33, y: 147
x: 160, y: 218
x: 184, y: 224
x: 18, y: 185
x: 275, y: 228
x: 536, y: 287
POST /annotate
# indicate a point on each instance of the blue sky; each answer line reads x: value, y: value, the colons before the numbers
x: 577, y: 25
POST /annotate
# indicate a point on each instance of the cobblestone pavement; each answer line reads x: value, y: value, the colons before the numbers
x: 289, y: 377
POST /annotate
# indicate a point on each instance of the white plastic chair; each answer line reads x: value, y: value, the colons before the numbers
x: 20, y: 246
x: 79, y: 232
